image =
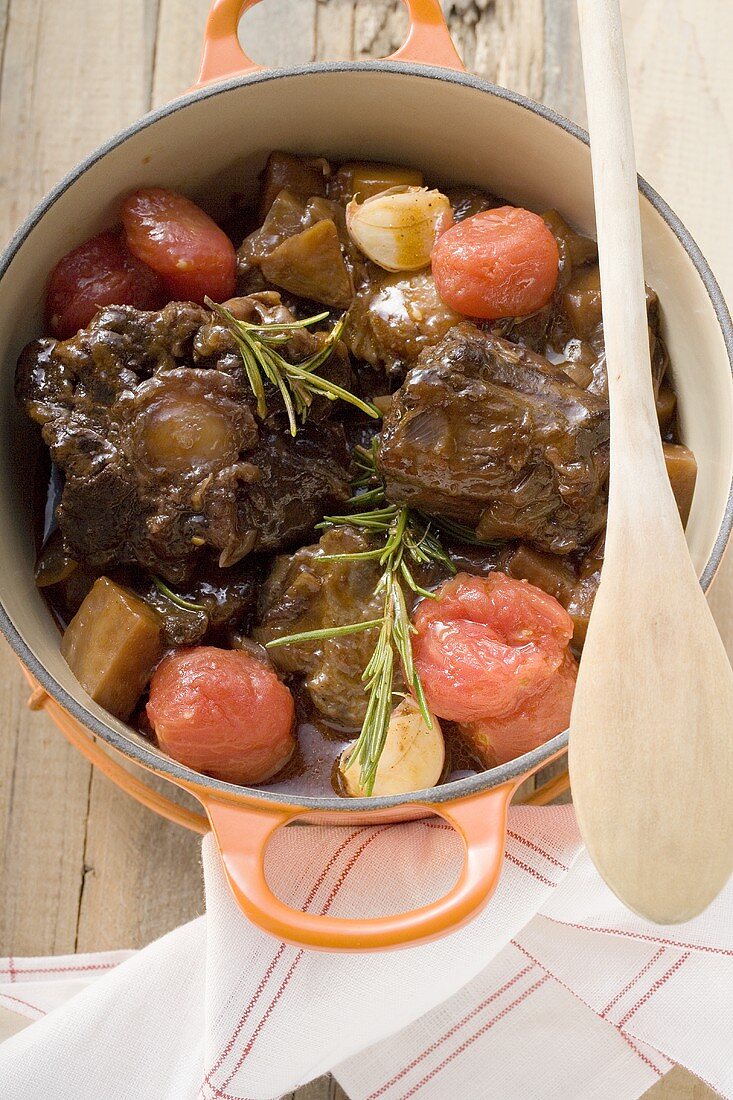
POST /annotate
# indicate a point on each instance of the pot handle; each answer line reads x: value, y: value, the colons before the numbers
x: 243, y: 833
x: 428, y: 40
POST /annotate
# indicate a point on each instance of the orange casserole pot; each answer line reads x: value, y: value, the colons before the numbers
x: 417, y: 107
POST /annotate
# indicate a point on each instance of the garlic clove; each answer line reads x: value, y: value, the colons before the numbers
x: 397, y: 228
x: 412, y: 759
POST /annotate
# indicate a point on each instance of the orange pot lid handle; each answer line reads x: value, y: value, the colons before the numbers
x: 428, y: 40
x: 243, y: 833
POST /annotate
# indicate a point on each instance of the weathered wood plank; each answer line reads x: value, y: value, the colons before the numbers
x: 334, y: 30
x: 325, y: 1088
x: 279, y: 32
x: 502, y: 40
x: 678, y: 1084
x: 380, y: 26
x: 142, y: 875
x: 563, y: 71
x: 682, y: 91
x: 72, y: 74
x: 44, y: 787
x: 4, y: 12
x: 177, y: 48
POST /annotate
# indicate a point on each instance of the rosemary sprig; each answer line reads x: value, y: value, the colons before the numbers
x: 405, y: 539
x: 297, y: 383
x: 179, y: 601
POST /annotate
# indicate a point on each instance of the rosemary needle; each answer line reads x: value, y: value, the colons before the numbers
x: 327, y: 632
x: 297, y: 383
x: 179, y: 601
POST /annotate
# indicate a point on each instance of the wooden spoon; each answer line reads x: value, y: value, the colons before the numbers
x: 651, y: 733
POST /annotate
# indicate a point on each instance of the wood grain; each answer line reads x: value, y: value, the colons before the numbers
x: 72, y: 74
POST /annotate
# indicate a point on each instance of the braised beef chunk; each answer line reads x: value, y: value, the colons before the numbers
x: 496, y: 437
x: 150, y: 419
x: 302, y: 247
x: 121, y: 346
x: 569, y: 329
x: 301, y: 175
x: 575, y: 249
x: 213, y: 346
x: 304, y: 592
x: 219, y: 601
x: 298, y: 481
x: 307, y: 591
x: 394, y: 317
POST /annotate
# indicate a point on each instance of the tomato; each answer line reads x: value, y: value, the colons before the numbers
x: 499, y: 263
x: 492, y: 653
x: 545, y: 714
x: 100, y: 272
x: 177, y: 239
x: 222, y: 712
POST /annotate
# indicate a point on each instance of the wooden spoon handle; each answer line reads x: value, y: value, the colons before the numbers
x: 619, y: 236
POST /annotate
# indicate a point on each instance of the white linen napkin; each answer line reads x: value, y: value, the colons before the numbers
x: 555, y: 991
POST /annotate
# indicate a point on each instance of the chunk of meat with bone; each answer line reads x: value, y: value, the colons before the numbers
x: 135, y: 477
x: 497, y: 438
x: 297, y: 481
x: 150, y: 420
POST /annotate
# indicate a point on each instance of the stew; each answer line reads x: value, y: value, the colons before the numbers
x: 324, y: 499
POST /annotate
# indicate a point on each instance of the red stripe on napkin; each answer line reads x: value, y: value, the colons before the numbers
x: 630, y: 985
x: 654, y: 988
x: 20, y: 1001
x: 14, y: 971
x: 448, y: 1034
x: 549, y: 974
x: 536, y: 848
x: 642, y: 936
x: 476, y: 1035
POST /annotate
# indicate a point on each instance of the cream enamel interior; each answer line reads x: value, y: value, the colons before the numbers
x: 454, y: 132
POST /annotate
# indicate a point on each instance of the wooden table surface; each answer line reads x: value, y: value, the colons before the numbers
x: 84, y: 868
